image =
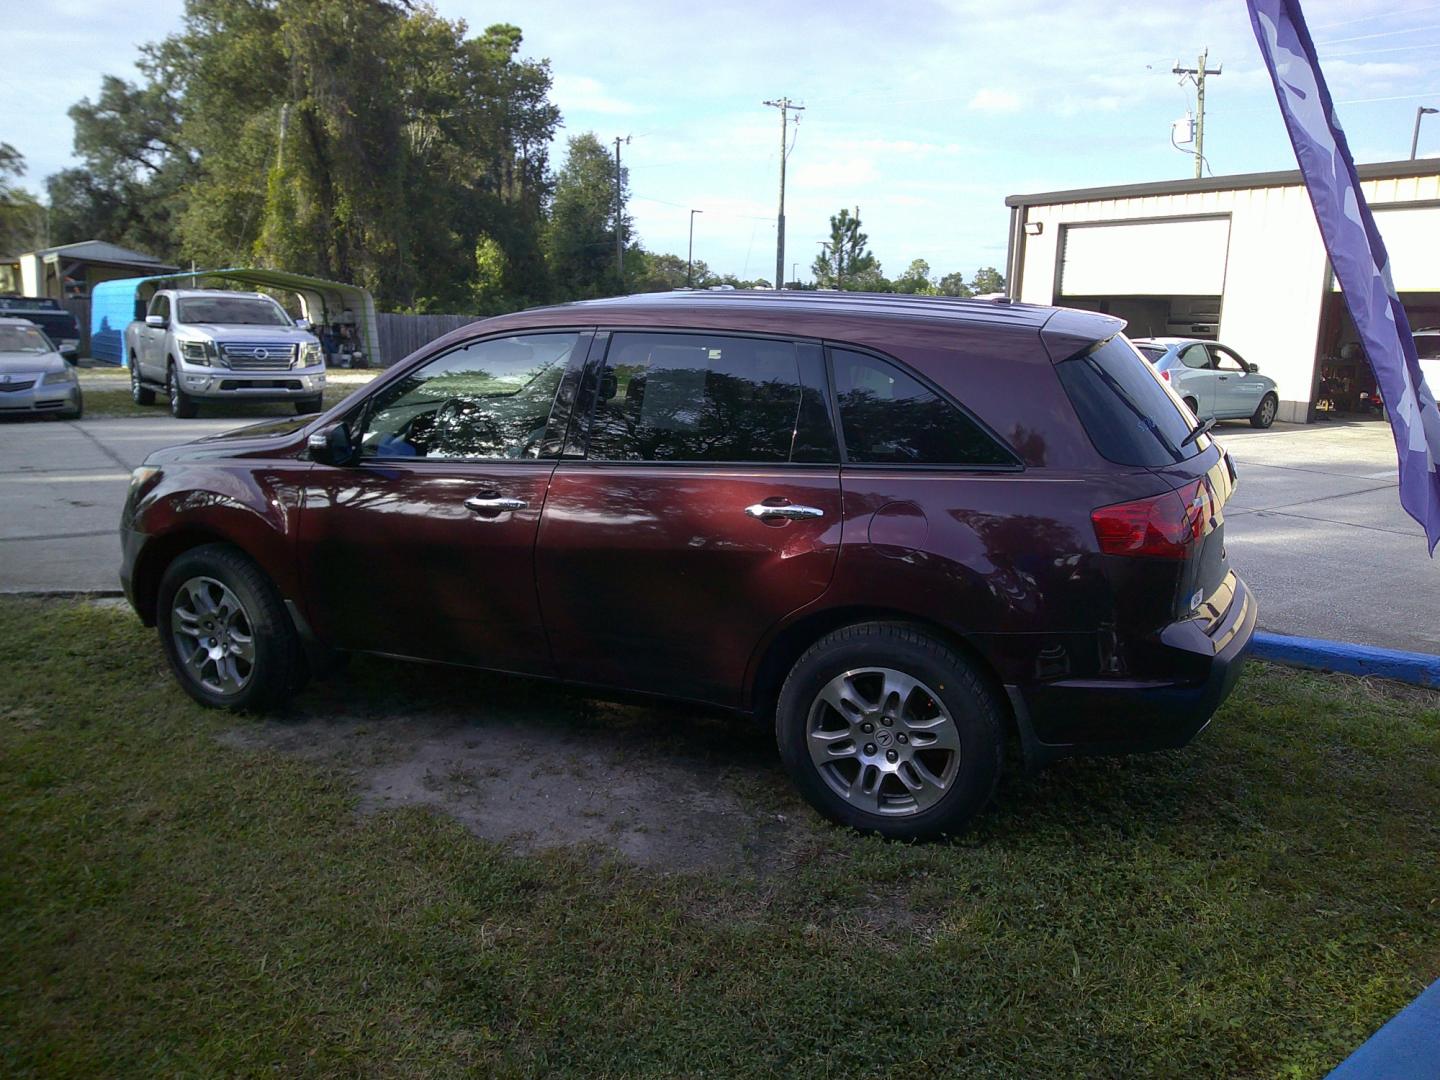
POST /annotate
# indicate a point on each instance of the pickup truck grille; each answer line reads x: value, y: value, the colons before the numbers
x: 257, y: 355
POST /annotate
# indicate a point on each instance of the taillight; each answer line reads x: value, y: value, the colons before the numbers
x: 1163, y: 527
x: 1165, y: 374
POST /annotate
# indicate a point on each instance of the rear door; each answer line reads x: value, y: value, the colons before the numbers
x: 1237, y: 392
x: 426, y: 547
x: 701, y: 507
x: 1196, y: 379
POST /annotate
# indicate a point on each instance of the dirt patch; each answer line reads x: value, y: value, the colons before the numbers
x: 538, y: 768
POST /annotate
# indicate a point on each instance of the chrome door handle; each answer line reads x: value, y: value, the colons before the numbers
x: 497, y: 502
x: 789, y: 511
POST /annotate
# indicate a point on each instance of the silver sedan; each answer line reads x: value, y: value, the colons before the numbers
x: 1213, y: 380
x: 34, y: 377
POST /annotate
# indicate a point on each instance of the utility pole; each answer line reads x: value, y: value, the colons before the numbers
x: 786, y: 108
x: 1197, y: 75
x: 1423, y: 110
x: 690, y: 255
x: 619, y: 214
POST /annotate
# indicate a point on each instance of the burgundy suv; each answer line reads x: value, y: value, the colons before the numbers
x: 903, y: 527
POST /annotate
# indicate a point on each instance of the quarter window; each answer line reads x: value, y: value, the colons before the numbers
x: 891, y: 418
x: 1196, y: 356
x: 696, y: 397
x: 490, y: 399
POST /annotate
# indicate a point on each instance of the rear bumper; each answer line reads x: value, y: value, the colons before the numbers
x: 1118, y: 716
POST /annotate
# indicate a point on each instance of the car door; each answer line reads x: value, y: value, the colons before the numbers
x: 700, y: 507
x: 1197, y: 378
x: 1237, y: 390
x: 152, y: 340
x: 425, y: 546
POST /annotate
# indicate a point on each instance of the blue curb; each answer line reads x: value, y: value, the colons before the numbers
x: 1418, y: 669
x: 1407, y: 1048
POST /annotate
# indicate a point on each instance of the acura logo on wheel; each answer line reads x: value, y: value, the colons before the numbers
x: 882, y: 737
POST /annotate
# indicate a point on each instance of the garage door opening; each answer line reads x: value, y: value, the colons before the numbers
x: 1344, y: 381
x: 1165, y: 278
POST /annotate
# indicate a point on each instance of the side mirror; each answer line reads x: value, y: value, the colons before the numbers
x: 333, y: 447
x: 72, y: 355
x: 1252, y: 368
x: 157, y: 321
x: 302, y: 324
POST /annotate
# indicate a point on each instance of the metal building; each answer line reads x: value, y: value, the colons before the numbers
x: 1236, y: 259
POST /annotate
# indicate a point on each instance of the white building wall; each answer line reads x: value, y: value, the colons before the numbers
x: 1276, y: 269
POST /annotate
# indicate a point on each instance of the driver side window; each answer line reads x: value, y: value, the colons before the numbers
x: 1225, y: 360
x: 489, y: 399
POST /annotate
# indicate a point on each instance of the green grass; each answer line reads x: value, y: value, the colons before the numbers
x: 173, y: 902
x: 115, y: 401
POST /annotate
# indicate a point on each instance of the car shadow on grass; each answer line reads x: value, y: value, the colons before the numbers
x: 537, y: 766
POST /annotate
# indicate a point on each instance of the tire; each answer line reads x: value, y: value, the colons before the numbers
x: 1265, y: 411
x: 76, y: 413
x: 182, y: 405
x: 306, y: 406
x: 945, y: 701
x: 259, y: 663
x: 139, y: 393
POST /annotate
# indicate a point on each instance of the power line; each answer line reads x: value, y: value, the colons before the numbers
x: 1383, y: 33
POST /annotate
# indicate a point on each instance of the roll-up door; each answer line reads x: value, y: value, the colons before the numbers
x: 1149, y: 258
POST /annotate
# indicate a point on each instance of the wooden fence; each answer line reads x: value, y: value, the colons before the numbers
x: 400, y: 335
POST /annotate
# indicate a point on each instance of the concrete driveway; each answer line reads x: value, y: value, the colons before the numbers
x: 1315, y: 525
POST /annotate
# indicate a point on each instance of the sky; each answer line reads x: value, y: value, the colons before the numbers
x: 925, y: 114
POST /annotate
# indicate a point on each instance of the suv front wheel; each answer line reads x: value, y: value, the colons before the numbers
x: 225, y: 630
x: 182, y: 405
x: 887, y: 729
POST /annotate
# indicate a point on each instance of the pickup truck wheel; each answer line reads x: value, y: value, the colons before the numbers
x: 182, y: 405
x: 225, y: 631
x: 306, y: 406
x: 886, y: 729
x: 139, y: 393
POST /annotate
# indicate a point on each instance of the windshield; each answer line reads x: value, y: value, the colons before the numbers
x: 23, y: 339
x: 232, y: 311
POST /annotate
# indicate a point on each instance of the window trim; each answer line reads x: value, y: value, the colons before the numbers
x: 1017, y: 465
x: 588, y: 399
x: 574, y: 365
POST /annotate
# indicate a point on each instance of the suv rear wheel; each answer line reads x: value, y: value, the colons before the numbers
x: 225, y: 631
x: 139, y: 393
x: 182, y: 405
x: 886, y: 729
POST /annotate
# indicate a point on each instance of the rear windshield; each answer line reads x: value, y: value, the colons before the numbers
x: 60, y: 325
x: 1151, y: 352
x: 1428, y: 345
x: 1129, y: 413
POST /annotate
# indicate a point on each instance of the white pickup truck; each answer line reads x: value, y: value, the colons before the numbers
x: 213, y: 346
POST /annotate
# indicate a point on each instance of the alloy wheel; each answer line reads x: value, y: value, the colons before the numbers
x: 883, y: 741
x: 1267, y: 412
x: 134, y: 383
x: 172, y: 384
x: 213, y: 636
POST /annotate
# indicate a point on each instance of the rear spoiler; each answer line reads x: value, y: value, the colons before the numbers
x: 1069, y: 331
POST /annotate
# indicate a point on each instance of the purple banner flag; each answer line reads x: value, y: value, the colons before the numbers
x: 1356, y: 252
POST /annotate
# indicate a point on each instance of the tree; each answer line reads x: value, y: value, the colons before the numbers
x: 22, y: 218
x: 846, y: 262
x: 915, y: 280
x: 987, y: 280
x: 953, y: 284
x: 580, y: 237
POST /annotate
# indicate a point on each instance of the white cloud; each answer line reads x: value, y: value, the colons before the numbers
x: 582, y: 94
x: 994, y: 101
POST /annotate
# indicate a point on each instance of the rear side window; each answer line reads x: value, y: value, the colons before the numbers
x: 1130, y: 415
x: 696, y: 397
x: 1153, y: 353
x: 891, y: 418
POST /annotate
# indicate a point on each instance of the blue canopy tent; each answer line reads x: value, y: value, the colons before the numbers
x: 115, y: 304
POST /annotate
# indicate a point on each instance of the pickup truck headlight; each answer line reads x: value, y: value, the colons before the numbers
x: 310, y: 354
x: 55, y: 378
x: 200, y: 352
